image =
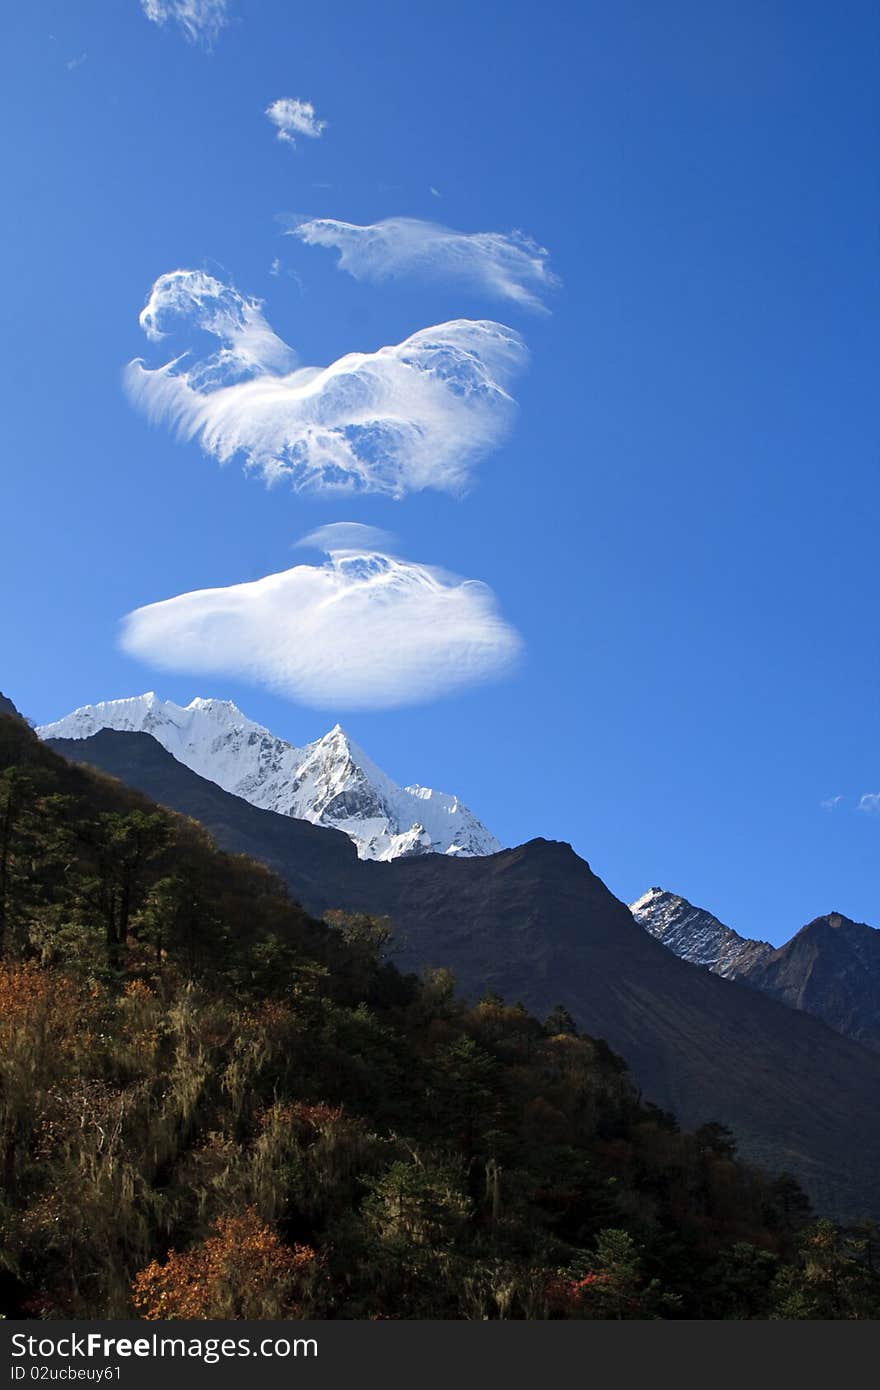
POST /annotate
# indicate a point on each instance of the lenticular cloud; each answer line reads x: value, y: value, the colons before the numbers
x: 410, y: 416
x: 365, y: 630
x: 506, y: 265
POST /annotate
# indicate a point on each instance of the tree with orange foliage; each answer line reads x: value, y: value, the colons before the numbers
x: 242, y: 1271
x: 43, y: 1024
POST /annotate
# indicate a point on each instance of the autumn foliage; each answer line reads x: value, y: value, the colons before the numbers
x: 213, y: 1106
x: 242, y: 1271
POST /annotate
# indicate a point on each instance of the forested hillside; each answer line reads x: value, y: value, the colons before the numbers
x: 534, y: 923
x: 213, y: 1105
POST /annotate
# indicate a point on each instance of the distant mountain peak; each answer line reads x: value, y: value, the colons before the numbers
x: 838, y: 921
x: 330, y: 781
x: 830, y: 968
x: 695, y: 934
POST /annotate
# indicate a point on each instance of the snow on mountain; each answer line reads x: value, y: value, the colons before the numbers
x: 830, y: 968
x: 329, y: 782
x: 695, y: 935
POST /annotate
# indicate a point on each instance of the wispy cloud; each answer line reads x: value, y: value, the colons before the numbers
x: 414, y: 415
x: 365, y: 630
x: 73, y: 63
x: 352, y: 536
x: 831, y: 803
x: 505, y: 265
x: 870, y: 802
x: 250, y: 345
x: 292, y: 117
x: 200, y: 20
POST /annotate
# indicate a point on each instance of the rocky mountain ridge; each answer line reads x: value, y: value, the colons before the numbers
x: 330, y: 781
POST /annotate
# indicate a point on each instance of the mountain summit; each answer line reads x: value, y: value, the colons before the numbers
x: 329, y: 782
x: 696, y: 935
x: 830, y: 968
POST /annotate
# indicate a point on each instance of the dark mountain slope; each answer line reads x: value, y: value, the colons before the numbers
x: 7, y: 707
x: 831, y: 968
x: 535, y: 923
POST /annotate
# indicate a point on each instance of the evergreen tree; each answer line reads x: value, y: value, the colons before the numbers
x: 559, y: 1020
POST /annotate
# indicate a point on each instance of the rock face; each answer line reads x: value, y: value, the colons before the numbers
x: 7, y: 707
x: 830, y: 968
x: 695, y: 935
x: 534, y: 923
x: 329, y: 782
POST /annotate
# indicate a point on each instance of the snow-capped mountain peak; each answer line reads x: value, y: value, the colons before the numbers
x: 695, y: 934
x: 329, y: 782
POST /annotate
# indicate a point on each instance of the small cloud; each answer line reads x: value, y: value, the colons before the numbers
x: 870, y: 803
x: 831, y: 803
x: 365, y: 630
x: 275, y: 267
x: 200, y: 20
x: 413, y: 415
x: 346, y: 535
x: 73, y: 63
x: 507, y: 265
x: 293, y: 117
x: 435, y: 192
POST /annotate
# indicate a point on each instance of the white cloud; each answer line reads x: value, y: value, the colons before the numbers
x: 870, y: 802
x: 293, y: 117
x: 831, y: 803
x: 250, y: 345
x: 413, y: 415
x: 365, y: 630
x: 505, y: 265
x: 347, y: 535
x: 200, y: 20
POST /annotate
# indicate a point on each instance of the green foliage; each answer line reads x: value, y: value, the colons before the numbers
x: 831, y: 1278
x: 211, y: 1104
x: 609, y: 1283
x: 742, y: 1277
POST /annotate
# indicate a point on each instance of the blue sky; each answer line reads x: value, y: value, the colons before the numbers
x: 681, y: 525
